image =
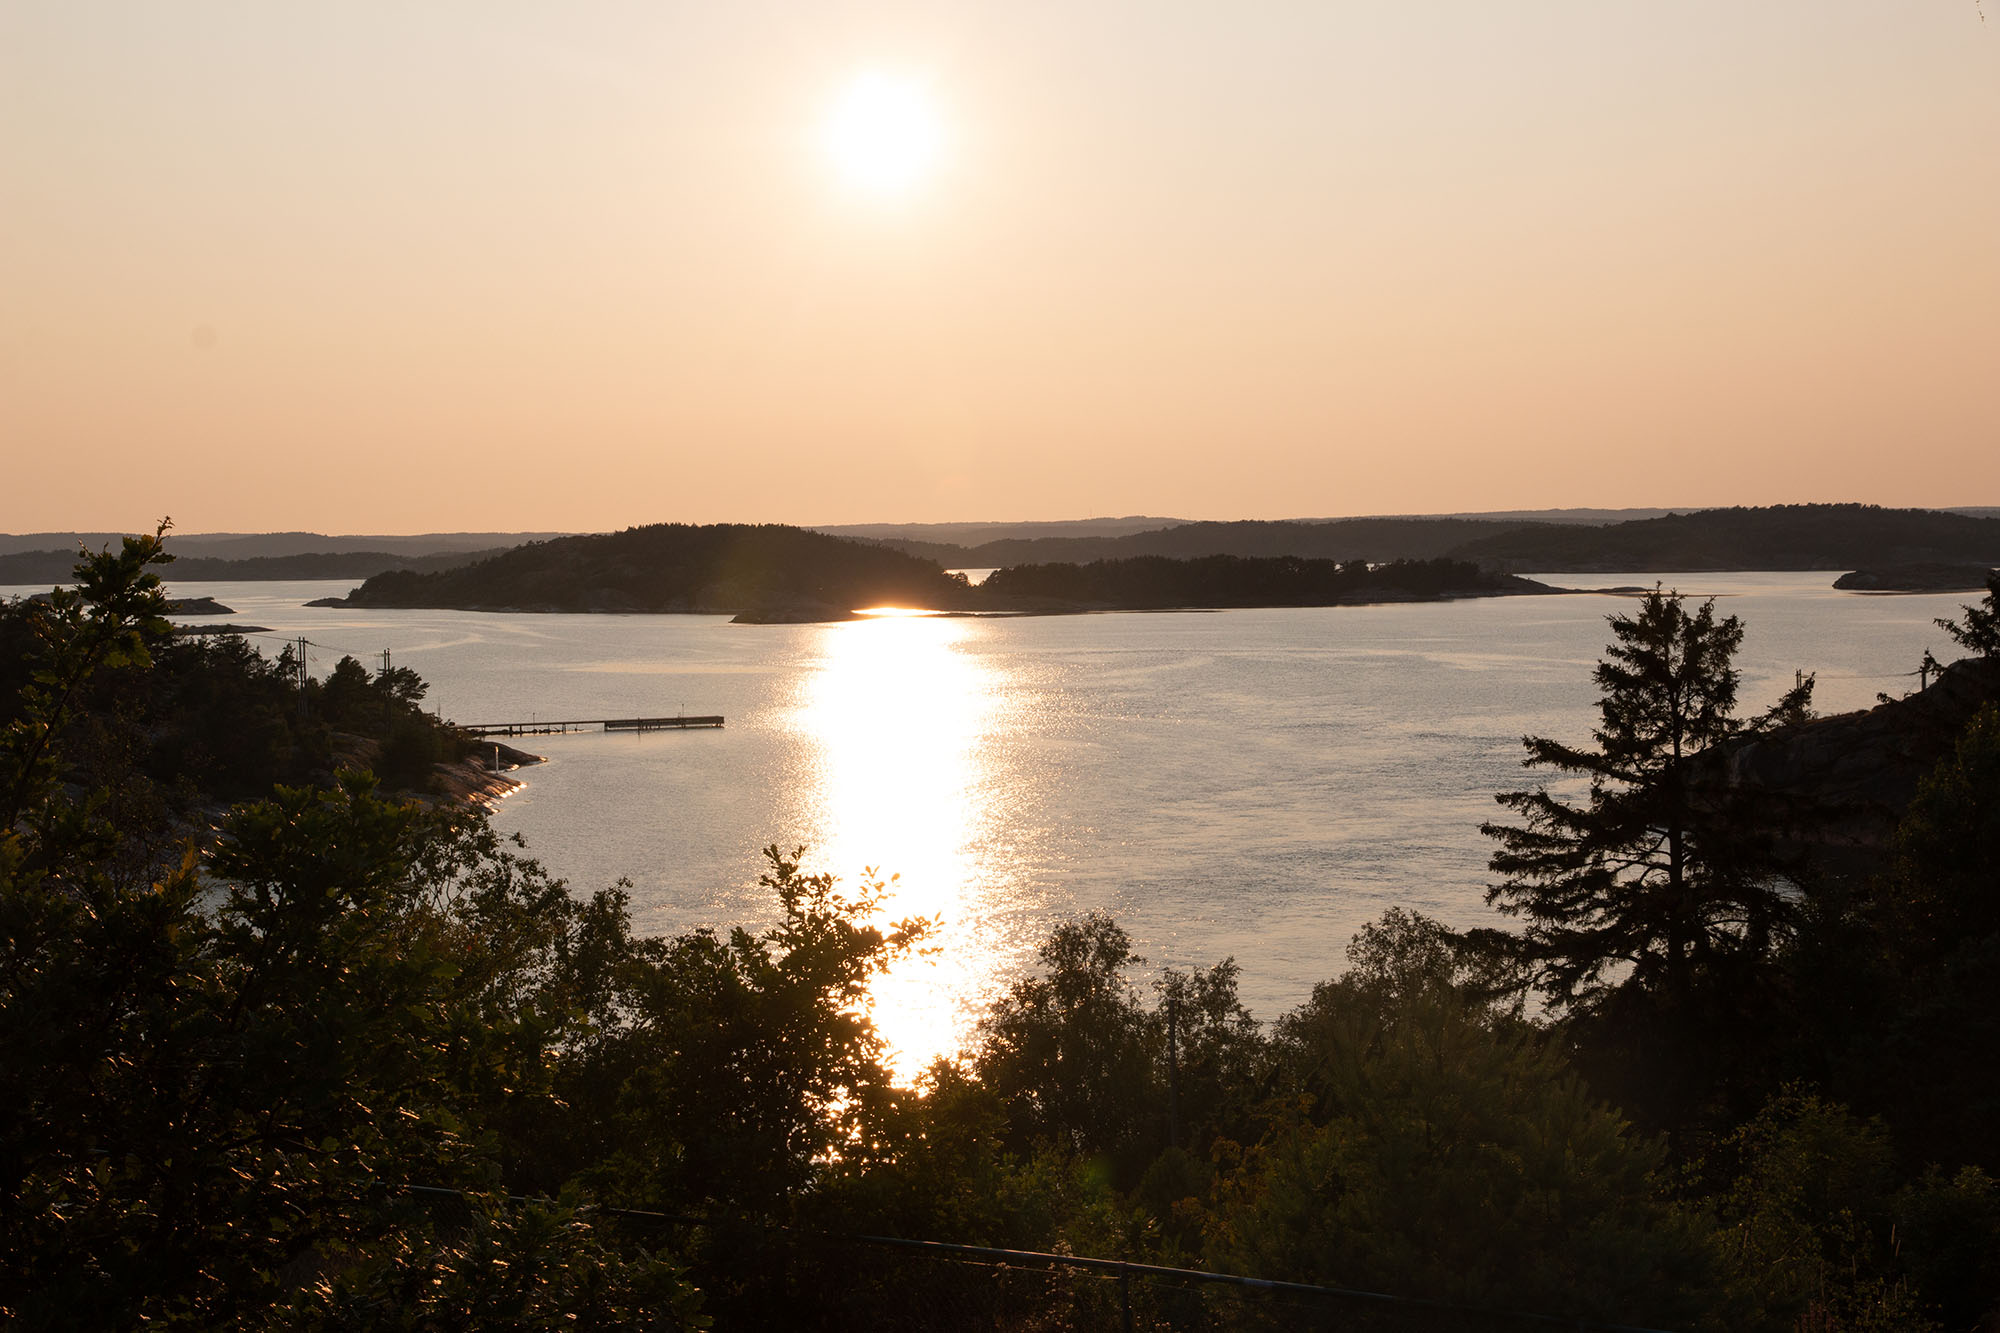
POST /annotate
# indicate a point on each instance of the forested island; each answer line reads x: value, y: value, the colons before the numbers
x: 767, y: 570
x: 1917, y: 578
x: 1156, y: 583
x: 349, y: 1062
x: 770, y: 572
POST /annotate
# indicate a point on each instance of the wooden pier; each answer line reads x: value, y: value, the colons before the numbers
x: 589, y: 724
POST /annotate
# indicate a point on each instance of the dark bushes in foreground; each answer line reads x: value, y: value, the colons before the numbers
x: 218, y: 1077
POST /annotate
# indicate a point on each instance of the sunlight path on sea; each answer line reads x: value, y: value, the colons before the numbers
x: 898, y: 714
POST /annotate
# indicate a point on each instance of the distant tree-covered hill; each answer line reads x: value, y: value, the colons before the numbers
x: 1374, y: 539
x: 1776, y: 537
x: 972, y: 534
x: 53, y: 567
x: 250, y: 545
x: 766, y: 569
x: 1830, y: 536
x: 1151, y: 583
x: 957, y: 538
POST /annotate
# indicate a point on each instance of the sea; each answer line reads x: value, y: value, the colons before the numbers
x: 1252, y: 785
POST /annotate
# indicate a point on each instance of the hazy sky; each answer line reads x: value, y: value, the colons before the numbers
x: 400, y: 267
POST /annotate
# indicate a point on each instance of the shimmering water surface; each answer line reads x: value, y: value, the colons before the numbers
x: 1247, y: 783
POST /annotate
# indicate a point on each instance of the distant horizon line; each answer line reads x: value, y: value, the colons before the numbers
x: 1157, y: 519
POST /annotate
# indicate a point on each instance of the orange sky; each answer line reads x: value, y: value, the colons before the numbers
x: 375, y: 267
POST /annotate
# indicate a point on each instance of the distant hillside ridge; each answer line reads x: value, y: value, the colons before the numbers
x: 54, y: 567
x: 252, y: 545
x: 1812, y: 536
x: 1777, y: 537
x: 957, y: 538
x: 973, y: 533
x: 1376, y: 539
x: 727, y: 568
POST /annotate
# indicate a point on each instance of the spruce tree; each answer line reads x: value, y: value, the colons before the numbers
x: 1981, y: 631
x: 1653, y: 879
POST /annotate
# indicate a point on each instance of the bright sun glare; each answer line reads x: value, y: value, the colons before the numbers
x: 882, y: 134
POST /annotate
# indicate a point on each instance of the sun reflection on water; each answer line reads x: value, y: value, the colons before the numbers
x: 899, y: 714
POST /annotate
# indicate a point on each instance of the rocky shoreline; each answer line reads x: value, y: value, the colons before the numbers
x: 482, y: 778
x: 1843, y: 781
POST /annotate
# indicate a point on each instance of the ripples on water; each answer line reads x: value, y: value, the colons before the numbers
x: 1248, y: 783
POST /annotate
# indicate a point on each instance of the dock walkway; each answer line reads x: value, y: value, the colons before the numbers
x: 538, y: 728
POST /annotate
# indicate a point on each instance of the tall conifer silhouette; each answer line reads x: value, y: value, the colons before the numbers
x: 1648, y: 879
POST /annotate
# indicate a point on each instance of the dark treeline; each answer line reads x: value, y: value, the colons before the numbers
x: 210, y: 720
x: 1844, y: 536
x: 1155, y: 582
x: 1377, y: 539
x: 1698, y: 1087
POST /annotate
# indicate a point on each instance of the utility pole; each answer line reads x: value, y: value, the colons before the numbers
x: 1173, y: 1072
x: 301, y: 667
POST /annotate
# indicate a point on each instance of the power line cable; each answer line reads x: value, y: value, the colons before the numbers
x: 987, y: 1254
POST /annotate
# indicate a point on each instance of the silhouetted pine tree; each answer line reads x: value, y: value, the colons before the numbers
x: 1649, y: 881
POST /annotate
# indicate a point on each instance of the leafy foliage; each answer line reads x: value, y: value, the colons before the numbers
x: 1440, y: 1147
x: 215, y: 1078
x: 1080, y: 1063
x: 186, y: 722
x: 1810, y: 1212
x: 109, y: 622
x: 506, y: 1266
x: 734, y: 1069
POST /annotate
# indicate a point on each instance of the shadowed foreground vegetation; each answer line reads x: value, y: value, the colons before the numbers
x: 1711, y: 1093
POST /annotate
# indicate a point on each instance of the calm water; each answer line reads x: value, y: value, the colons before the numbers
x: 1247, y: 783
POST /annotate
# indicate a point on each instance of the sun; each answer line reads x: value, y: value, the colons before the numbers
x: 882, y: 134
